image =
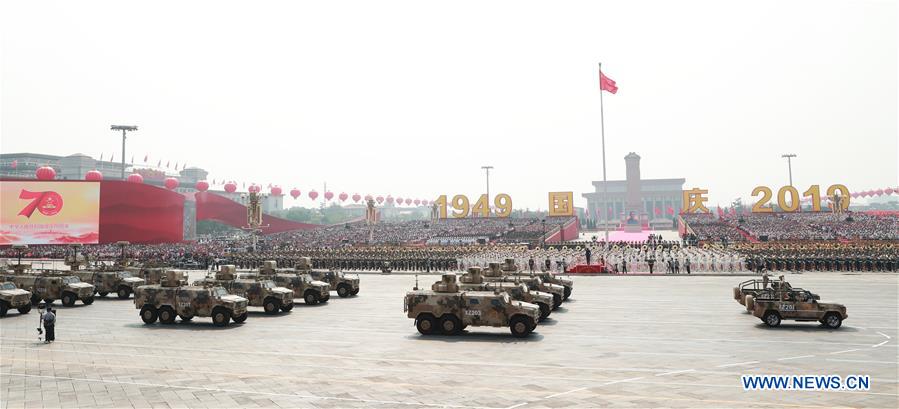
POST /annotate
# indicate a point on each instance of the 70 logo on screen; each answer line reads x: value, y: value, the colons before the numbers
x: 502, y: 206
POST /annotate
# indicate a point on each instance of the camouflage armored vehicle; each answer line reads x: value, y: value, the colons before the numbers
x: 473, y: 280
x: 494, y: 272
x: 258, y: 292
x: 155, y: 275
x: 773, y: 306
x: 52, y: 285
x: 170, y: 298
x: 345, y: 286
x: 120, y: 282
x: 311, y: 291
x: 754, y: 286
x: 12, y: 297
x: 447, y: 310
x: 510, y: 268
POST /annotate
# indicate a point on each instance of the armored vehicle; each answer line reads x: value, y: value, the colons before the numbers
x: 773, y: 306
x: 447, y: 310
x: 171, y: 298
x: 510, y: 268
x: 12, y: 297
x: 345, y: 286
x: 473, y: 280
x: 52, y: 285
x: 754, y: 286
x: 155, y: 275
x: 494, y: 273
x: 259, y: 292
x: 311, y: 291
x: 120, y: 282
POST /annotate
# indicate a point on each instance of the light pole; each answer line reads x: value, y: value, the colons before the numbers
x: 543, y: 238
x: 124, y: 129
x: 487, y: 169
x: 789, y: 165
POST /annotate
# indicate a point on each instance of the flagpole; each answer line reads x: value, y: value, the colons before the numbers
x: 605, y: 185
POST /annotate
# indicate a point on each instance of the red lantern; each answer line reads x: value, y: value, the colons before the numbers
x: 871, y: 193
x: 230, y: 187
x: 313, y: 194
x: 879, y: 192
x: 170, y: 183
x: 408, y: 201
x: 399, y: 200
x: 94, y: 176
x: 368, y: 197
x: 417, y: 202
x: 853, y: 194
x: 329, y: 195
x: 135, y: 178
x: 888, y: 191
x: 45, y: 173
x: 276, y: 191
x: 343, y: 196
x: 295, y: 193
x: 254, y: 188
x: 379, y: 199
x: 389, y: 199
x: 202, y: 185
x: 356, y: 197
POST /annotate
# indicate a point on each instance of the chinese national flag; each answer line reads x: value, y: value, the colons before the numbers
x: 607, y: 84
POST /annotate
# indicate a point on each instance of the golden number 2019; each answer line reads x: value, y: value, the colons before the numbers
x: 788, y: 198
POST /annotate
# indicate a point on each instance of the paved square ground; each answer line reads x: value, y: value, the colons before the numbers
x: 620, y: 342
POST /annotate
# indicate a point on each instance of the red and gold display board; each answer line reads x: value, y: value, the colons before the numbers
x: 34, y: 212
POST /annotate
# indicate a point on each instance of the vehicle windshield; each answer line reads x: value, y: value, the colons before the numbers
x: 267, y: 284
x: 219, y: 292
x: 124, y: 274
x: 9, y: 286
x: 70, y: 280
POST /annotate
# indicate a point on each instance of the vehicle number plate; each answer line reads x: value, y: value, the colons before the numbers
x: 184, y: 304
x: 787, y: 307
x: 476, y: 313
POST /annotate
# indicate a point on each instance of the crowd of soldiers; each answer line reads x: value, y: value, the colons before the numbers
x: 821, y: 256
x: 397, y: 258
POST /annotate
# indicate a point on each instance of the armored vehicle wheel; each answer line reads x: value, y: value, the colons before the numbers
x: 325, y: 298
x: 148, y: 314
x: 103, y: 293
x: 220, y: 317
x: 771, y: 319
x: 123, y: 292
x: 4, y: 307
x: 166, y: 315
x: 240, y: 318
x: 450, y: 325
x: 356, y: 291
x: 544, y: 310
x: 567, y: 292
x: 287, y: 307
x: 271, y: 306
x: 310, y: 298
x: 186, y: 318
x: 25, y: 309
x: 88, y: 301
x: 68, y: 299
x: 426, y: 324
x: 343, y: 291
x: 832, y: 320
x: 520, y: 327
x: 557, y: 301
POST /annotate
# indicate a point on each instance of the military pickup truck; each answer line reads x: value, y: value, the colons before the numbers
x: 12, y: 297
x: 170, y: 298
x: 344, y: 285
x: 473, y: 280
x: 447, y: 310
x: 120, y: 282
x: 756, y: 285
x: 258, y: 292
x: 774, y: 305
x: 311, y: 291
x: 52, y: 285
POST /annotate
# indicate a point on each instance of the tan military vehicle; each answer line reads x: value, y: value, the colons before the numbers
x: 494, y: 273
x: 120, y: 282
x: 259, y: 292
x: 447, y: 310
x: 774, y: 305
x: 155, y: 275
x: 311, y: 291
x: 510, y: 268
x: 345, y: 286
x: 52, y: 285
x: 473, y: 280
x: 12, y: 297
x: 170, y: 298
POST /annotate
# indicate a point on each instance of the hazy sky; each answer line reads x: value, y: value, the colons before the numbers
x: 411, y: 98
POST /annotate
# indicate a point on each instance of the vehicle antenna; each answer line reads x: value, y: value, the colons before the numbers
x: 416, y: 283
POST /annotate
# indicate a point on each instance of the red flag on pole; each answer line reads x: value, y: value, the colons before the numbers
x: 607, y: 84
x: 15, y: 164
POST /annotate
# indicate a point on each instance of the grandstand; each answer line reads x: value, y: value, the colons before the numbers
x: 793, y: 226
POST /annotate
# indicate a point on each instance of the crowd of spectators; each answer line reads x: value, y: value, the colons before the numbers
x: 794, y: 226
